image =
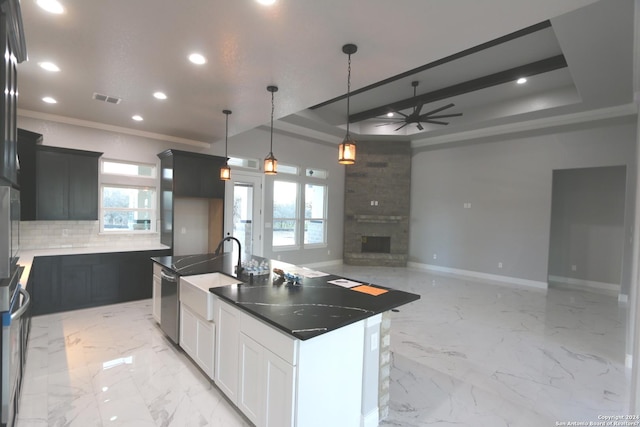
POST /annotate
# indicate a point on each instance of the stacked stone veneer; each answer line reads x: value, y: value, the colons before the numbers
x: 382, y: 175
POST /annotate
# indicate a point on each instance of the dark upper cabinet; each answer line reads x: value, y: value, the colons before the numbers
x: 11, y: 42
x: 66, y: 184
x: 194, y: 174
x: 27, y: 142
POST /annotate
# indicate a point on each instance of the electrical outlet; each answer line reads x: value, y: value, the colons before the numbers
x: 499, y: 265
x: 435, y: 256
x: 65, y: 232
x: 574, y: 267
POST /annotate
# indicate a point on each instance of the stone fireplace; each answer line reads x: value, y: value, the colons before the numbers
x: 376, y: 223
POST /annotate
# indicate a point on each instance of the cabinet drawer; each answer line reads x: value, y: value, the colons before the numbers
x: 279, y: 343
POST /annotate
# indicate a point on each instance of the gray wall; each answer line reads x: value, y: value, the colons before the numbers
x: 250, y: 144
x: 508, y: 181
x: 587, y: 224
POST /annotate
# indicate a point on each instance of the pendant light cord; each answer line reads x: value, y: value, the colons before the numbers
x: 226, y: 133
x: 272, y: 110
x: 348, y: 92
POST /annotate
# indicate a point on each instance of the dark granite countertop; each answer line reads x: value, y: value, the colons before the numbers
x: 304, y: 311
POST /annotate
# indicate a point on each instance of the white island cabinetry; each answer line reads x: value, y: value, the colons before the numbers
x: 277, y: 380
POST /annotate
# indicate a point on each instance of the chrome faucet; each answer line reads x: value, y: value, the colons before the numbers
x: 220, y: 246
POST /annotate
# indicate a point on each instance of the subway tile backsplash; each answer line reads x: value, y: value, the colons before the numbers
x: 77, y: 234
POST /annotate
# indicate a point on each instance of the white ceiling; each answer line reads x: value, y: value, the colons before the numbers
x: 130, y: 49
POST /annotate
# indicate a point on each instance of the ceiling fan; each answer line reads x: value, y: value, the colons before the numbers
x: 417, y: 118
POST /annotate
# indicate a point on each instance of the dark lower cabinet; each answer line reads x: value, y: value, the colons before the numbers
x: 68, y: 282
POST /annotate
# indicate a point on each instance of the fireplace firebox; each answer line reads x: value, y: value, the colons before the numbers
x: 376, y: 244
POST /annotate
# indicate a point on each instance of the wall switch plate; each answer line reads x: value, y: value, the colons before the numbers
x: 499, y: 265
x: 574, y: 267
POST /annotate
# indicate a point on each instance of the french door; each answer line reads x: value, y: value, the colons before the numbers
x: 243, y: 211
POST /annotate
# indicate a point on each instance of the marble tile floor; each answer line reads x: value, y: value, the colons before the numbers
x: 468, y: 353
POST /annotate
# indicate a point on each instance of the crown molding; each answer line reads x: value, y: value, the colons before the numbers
x: 110, y: 128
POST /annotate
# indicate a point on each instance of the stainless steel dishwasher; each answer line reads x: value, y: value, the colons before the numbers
x: 170, y: 304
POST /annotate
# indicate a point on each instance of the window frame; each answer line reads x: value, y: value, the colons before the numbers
x: 324, y: 218
x: 140, y: 182
x: 153, y: 210
x: 297, y: 244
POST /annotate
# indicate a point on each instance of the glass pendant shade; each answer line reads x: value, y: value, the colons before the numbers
x: 270, y: 165
x: 347, y: 151
x: 225, y: 172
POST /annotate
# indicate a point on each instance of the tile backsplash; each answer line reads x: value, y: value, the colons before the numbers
x: 78, y: 234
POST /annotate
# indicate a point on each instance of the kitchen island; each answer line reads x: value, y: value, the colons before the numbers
x: 286, y: 353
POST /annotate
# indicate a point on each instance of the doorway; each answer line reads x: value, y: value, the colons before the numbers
x: 243, y: 212
x: 586, y: 244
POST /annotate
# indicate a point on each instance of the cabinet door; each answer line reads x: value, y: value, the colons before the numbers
x: 252, y: 379
x: 280, y: 385
x: 226, y: 372
x: 45, y: 290
x: 105, y: 285
x: 75, y: 283
x: 205, y: 345
x: 83, y: 188
x: 52, y: 186
x: 186, y: 176
x: 188, y: 331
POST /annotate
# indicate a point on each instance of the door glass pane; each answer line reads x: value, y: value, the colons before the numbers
x: 285, y: 206
x: 243, y: 216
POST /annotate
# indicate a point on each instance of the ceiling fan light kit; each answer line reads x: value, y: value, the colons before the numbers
x: 270, y: 162
x: 347, y: 149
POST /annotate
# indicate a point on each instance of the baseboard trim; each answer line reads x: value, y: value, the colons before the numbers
x: 602, y: 286
x: 482, y: 276
x: 329, y: 263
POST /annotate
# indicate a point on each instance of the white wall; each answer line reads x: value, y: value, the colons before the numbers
x: 251, y: 144
x: 508, y: 181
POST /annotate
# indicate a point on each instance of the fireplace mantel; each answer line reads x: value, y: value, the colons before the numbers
x: 380, y: 219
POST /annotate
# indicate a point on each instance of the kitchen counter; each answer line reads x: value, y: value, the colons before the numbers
x: 306, y: 310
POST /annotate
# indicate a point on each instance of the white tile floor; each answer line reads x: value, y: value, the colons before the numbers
x: 466, y: 354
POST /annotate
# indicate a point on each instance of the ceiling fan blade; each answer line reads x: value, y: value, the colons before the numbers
x: 402, y: 126
x: 419, y: 126
x: 441, y: 116
x: 401, y: 113
x: 437, y: 110
x: 417, y: 108
x: 435, y: 122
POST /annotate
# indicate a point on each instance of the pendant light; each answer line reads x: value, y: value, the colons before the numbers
x: 225, y: 171
x: 270, y: 162
x: 347, y: 150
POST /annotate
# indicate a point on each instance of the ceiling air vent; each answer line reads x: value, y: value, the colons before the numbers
x: 106, y: 98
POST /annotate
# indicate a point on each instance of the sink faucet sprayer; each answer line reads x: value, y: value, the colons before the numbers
x: 219, y: 248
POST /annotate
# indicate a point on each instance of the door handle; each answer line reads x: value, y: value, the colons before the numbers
x: 27, y: 300
x: 167, y: 277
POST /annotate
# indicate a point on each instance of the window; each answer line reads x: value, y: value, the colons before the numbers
x: 128, y: 197
x: 285, y: 213
x: 315, y: 214
x: 243, y: 163
x: 288, y: 169
x: 128, y: 208
x: 116, y: 167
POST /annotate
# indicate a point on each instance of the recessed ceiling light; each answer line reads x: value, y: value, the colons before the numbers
x: 51, y: 6
x: 198, y: 59
x: 266, y: 2
x: 49, y: 66
x: 521, y: 81
x: 137, y: 118
x: 49, y: 100
x: 389, y: 114
x: 160, y: 95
